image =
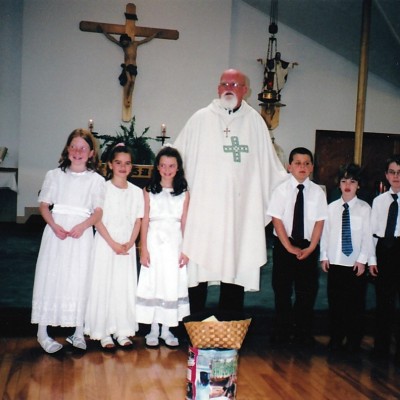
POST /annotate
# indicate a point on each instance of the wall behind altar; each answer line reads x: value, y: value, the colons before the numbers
x: 69, y: 76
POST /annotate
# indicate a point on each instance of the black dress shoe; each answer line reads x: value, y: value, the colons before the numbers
x: 353, y: 348
x: 280, y: 338
x: 335, y: 345
x: 380, y: 354
x: 304, y: 340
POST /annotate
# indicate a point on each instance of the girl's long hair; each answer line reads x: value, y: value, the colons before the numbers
x: 179, y: 183
x: 93, y: 163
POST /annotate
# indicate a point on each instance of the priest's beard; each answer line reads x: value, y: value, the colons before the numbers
x: 228, y: 100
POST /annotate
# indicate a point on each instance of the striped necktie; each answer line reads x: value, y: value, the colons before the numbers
x: 347, y: 247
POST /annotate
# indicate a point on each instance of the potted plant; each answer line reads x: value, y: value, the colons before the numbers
x: 141, y: 150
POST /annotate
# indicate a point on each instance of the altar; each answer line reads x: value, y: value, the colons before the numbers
x: 8, y: 194
x: 9, y: 179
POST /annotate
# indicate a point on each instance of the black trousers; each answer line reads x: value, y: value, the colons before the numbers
x: 387, y: 286
x: 346, y: 298
x: 301, y: 277
x: 231, y: 297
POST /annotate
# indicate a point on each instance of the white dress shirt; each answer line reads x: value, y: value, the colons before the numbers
x: 361, y: 234
x: 283, y: 199
x: 380, y: 209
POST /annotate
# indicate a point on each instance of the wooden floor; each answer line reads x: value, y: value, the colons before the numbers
x: 264, y: 372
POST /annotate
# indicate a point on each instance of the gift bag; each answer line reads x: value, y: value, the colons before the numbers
x: 211, y: 374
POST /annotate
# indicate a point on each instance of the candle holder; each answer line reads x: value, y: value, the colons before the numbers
x: 163, y: 136
x: 162, y: 139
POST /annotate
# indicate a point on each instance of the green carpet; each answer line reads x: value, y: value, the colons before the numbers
x: 19, y: 246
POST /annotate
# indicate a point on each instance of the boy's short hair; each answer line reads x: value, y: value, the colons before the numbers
x: 394, y: 159
x: 350, y: 171
x: 300, y: 150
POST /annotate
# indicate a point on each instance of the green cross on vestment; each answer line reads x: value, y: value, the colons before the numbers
x: 236, y: 149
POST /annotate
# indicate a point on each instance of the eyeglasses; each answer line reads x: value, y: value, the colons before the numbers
x: 230, y: 84
x: 83, y: 149
x: 394, y: 173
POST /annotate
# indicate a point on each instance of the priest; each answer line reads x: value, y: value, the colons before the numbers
x: 231, y: 167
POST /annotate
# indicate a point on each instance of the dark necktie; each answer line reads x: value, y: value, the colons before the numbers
x: 347, y: 247
x: 392, y: 218
x: 298, y: 215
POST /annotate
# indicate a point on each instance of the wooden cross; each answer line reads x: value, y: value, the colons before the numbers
x: 226, y: 130
x: 129, y: 46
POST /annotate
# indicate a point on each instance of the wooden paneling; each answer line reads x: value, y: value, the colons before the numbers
x: 336, y: 148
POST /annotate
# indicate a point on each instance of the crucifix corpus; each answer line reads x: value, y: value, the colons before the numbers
x: 129, y: 46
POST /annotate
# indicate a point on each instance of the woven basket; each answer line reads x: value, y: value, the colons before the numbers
x: 217, y: 334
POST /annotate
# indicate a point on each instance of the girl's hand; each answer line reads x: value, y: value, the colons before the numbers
x: 128, y: 245
x: 183, y: 260
x: 77, y: 231
x: 119, y: 249
x: 145, y: 258
x: 359, y: 268
x: 60, y: 232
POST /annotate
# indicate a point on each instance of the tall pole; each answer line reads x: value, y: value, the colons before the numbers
x: 362, y: 82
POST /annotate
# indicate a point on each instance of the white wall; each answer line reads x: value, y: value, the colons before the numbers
x: 10, y: 77
x: 69, y: 76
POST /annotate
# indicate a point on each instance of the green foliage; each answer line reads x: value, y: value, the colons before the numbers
x: 141, y: 150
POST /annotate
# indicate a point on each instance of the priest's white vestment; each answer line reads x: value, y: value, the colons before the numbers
x: 231, y: 168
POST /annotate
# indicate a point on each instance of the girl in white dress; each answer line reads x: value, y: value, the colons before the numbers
x: 111, y: 307
x: 76, y: 193
x: 162, y: 295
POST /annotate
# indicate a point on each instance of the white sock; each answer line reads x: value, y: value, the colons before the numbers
x: 165, y: 330
x: 155, y: 329
x: 42, y: 332
x: 78, y: 331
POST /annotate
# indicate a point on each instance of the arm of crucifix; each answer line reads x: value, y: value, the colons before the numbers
x: 107, y: 35
x: 147, y: 39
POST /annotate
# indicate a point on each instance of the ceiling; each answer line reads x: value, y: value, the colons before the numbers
x: 336, y: 25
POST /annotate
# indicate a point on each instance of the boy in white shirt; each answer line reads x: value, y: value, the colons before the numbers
x: 346, y: 246
x: 387, y: 271
x: 296, y: 249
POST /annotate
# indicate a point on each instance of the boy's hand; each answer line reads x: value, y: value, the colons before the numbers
x: 359, y: 268
x: 325, y: 265
x: 294, y: 250
x: 373, y: 270
x: 304, y: 253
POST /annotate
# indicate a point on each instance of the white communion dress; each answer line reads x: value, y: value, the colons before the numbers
x: 111, y: 304
x: 162, y: 294
x: 63, y: 267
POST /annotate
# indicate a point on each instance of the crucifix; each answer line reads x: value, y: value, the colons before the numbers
x: 129, y: 45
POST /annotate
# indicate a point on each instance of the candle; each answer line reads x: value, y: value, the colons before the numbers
x: 91, y: 125
x: 163, y: 129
